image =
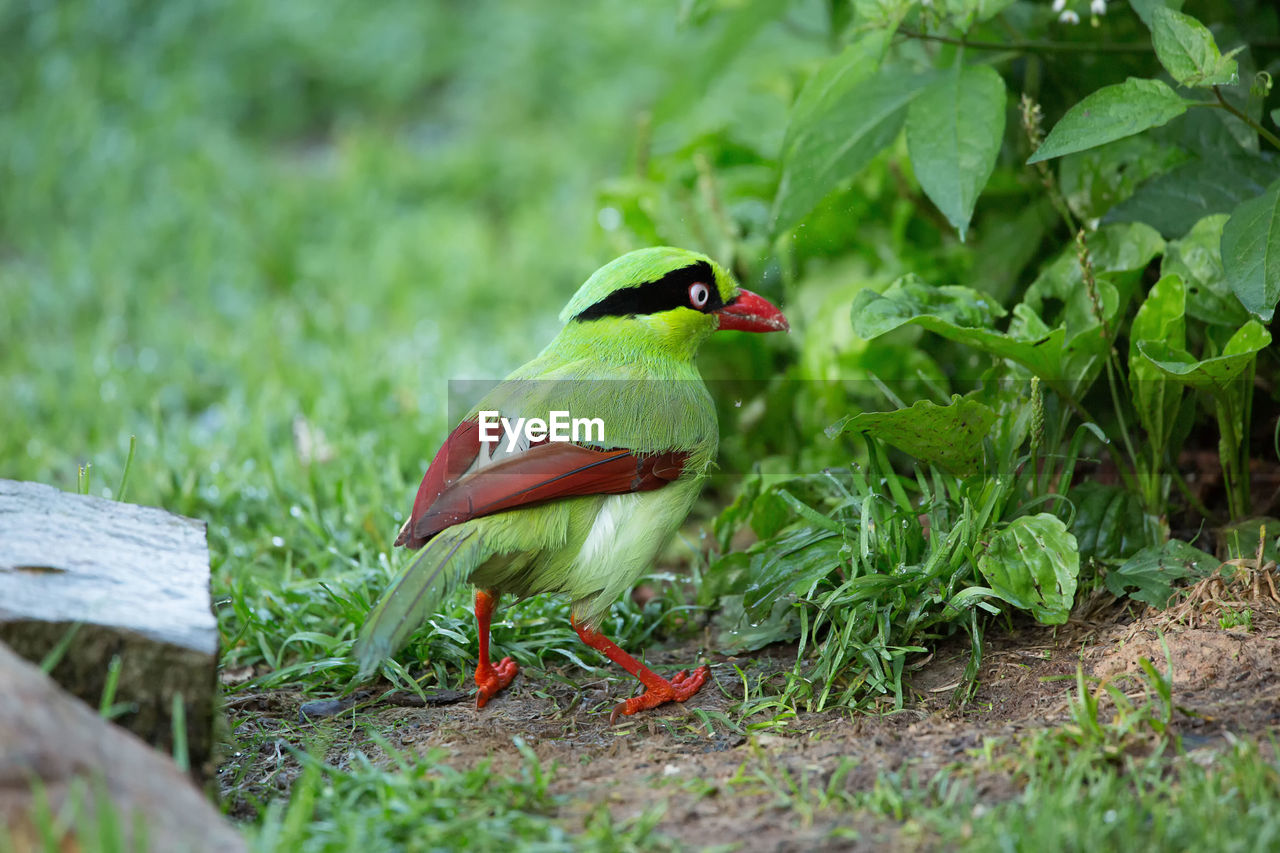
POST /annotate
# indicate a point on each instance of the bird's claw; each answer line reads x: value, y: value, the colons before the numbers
x: 492, y: 678
x: 681, y: 686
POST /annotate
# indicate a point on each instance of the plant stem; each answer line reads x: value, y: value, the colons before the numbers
x: 1114, y: 374
x: 1032, y: 117
x: 1229, y: 107
x: 1114, y: 377
x: 1034, y: 46
x: 1246, y: 416
x: 1116, y: 456
x: 1229, y: 456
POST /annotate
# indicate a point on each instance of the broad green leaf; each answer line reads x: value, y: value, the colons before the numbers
x: 1144, y: 8
x: 1061, y: 286
x: 1068, y: 367
x: 740, y: 632
x: 1095, y: 180
x: 1033, y: 564
x: 1108, y: 524
x: 843, y: 117
x: 1197, y: 258
x: 1067, y: 354
x: 1027, y: 325
x: 1207, y: 135
x: 874, y: 314
x: 960, y: 314
x: 1149, y: 575
x: 1160, y: 319
x: 954, y: 129
x: 1124, y: 248
x: 949, y: 436
x: 1186, y: 49
x: 792, y: 560
x: 1251, y: 252
x: 1059, y: 296
x: 1176, y: 200
x: 1112, y: 112
x: 1239, y: 96
x: 769, y: 514
x: 832, y: 82
x: 1211, y: 375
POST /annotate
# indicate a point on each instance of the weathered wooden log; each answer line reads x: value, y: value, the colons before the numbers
x: 132, y: 583
x: 106, y: 788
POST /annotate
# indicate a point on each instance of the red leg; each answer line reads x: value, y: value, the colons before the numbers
x: 658, y: 691
x: 489, y: 678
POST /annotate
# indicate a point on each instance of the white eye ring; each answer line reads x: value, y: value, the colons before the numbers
x: 699, y: 294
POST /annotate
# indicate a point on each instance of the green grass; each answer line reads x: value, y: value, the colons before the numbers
x: 413, y: 803
x: 1074, y: 801
x: 1115, y: 777
x: 1077, y: 800
x: 244, y: 247
x: 248, y: 246
x: 87, y: 820
x: 226, y: 227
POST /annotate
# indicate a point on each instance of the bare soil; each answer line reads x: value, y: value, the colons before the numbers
x: 1226, y: 683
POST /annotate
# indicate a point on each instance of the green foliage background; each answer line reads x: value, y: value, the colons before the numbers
x: 222, y: 225
x: 260, y: 238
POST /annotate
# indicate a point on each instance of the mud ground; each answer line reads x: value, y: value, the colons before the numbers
x: 1226, y: 683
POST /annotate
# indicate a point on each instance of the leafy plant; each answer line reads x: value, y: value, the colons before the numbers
x: 265, y: 261
x: 1128, y: 297
x: 1149, y: 575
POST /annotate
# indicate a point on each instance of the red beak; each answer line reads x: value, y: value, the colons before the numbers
x: 752, y: 313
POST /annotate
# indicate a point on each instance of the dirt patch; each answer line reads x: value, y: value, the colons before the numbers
x: 713, y: 781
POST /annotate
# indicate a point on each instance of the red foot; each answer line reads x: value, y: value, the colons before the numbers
x: 679, y: 688
x: 491, y: 679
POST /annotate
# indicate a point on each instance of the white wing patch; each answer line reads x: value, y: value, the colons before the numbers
x: 603, y: 538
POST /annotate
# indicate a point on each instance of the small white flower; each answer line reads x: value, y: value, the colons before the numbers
x: 1098, y: 7
x: 1069, y: 17
x: 1059, y: 5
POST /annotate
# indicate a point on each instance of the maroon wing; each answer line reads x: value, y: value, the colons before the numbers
x: 542, y: 473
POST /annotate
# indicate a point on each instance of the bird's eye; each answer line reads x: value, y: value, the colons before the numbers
x: 698, y: 295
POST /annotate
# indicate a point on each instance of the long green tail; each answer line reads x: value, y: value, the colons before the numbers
x: 441, y: 564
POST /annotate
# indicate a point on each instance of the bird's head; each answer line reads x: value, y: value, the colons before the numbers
x: 668, y: 298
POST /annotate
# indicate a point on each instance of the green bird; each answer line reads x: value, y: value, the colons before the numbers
x: 571, y: 475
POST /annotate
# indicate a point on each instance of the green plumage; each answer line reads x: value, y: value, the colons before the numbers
x: 416, y: 594
x: 635, y: 373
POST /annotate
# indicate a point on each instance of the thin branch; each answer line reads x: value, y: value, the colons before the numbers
x: 1262, y: 131
x: 1035, y: 46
